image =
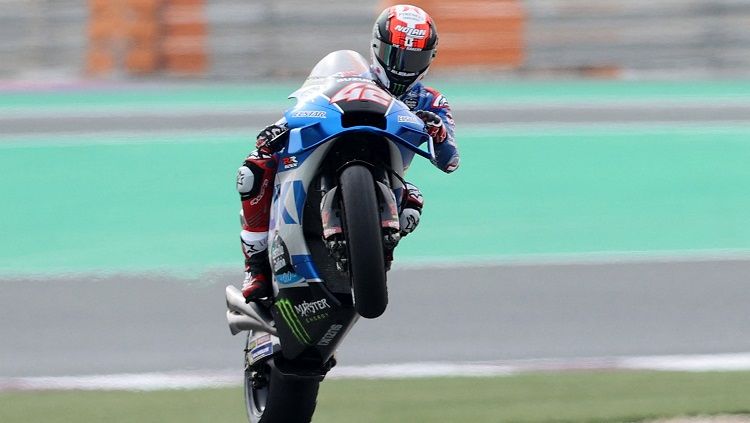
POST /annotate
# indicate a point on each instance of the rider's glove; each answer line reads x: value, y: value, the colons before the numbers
x: 433, y: 125
x: 271, y: 139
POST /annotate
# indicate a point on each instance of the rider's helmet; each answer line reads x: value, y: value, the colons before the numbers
x: 404, y: 42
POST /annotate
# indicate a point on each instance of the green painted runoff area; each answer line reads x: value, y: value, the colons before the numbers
x: 169, y: 203
x: 573, y: 397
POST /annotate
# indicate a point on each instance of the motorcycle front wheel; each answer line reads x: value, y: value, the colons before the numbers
x: 364, y: 241
x: 270, y: 397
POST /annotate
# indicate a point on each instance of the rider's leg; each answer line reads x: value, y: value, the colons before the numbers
x: 408, y: 217
x: 255, y: 184
x: 412, y: 209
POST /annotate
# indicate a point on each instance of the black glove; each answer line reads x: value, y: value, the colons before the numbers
x: 271, y: 139
x: 433, y: 125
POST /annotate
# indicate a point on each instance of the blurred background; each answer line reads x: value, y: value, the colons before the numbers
x: 600, y: 219
x: 241, y: 40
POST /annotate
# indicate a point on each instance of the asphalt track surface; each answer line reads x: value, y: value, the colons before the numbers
x: 71, y: 122
x: 146, y: 323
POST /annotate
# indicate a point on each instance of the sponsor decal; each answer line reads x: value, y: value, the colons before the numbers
x: 290, y: 162
x: 408, y: 119
x: 279, y: 262
x: 289, y: 278
x: 410, y: 14
x: 354, y: 79
x: 257, y: 342
x: 346, y: 73
x: 263, y: 187
x: 411, y: 102
x: 285, y: 308
x: 262, y: 351
x: 330, y: 335
x: 278, y: 254
x: 258, y: 348
x: 361, y: 91
x: 400, y: 73
x: 411, y: 32
x: 320, y: 114
x: 262, y: 339
x: 306, y: 309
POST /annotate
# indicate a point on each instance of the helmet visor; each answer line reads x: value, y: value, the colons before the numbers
x: 401, y: 60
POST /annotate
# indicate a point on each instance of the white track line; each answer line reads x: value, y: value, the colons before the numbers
x: 124, y: 382
x: 233, y: 378
x: 579, y: 259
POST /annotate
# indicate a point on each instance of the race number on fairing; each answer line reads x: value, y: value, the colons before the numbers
x: 361, y: 91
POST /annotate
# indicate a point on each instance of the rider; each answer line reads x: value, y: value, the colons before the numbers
x: 403, y: 46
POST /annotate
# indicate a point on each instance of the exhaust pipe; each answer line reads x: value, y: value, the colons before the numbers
x: 242, y: 316
x: 240, y: 322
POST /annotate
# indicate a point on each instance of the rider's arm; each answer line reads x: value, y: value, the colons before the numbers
x: 446, y: 151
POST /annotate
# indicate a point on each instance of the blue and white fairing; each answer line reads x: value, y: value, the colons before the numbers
x: 340, y: 85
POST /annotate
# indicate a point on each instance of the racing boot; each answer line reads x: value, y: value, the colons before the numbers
x: 257, y: 284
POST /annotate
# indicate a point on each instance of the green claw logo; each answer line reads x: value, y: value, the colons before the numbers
x: 287, y: 312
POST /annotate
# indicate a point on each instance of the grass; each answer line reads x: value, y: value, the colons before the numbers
x: 564, y: 397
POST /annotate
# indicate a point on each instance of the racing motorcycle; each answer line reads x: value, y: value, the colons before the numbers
x: 334, y: 225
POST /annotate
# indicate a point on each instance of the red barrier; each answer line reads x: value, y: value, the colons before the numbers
x: 147, y: 36
x: 476, y: 32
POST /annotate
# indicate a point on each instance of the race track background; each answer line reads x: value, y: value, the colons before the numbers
x: 588, y: 219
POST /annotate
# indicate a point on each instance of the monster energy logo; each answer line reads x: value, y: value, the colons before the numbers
x: 287, y: 312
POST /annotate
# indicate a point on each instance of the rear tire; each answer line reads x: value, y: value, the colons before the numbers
x: 364, y: 241
x: 282, y: 400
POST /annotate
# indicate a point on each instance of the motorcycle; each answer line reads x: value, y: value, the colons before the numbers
x: 334, y: 225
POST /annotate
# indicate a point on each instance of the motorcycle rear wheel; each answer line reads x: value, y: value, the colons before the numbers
x: 364, y: 241
x: 281, y: 399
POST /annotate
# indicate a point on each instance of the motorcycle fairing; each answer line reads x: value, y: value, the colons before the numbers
x: 317, y: 123
x: 308, y: 133
x: 308, y: 316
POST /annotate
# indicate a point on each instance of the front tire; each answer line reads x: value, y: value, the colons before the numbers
x: 280, y: 399
x: 364, y: 241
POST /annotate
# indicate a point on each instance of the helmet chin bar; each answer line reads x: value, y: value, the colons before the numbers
x: 400, y: 84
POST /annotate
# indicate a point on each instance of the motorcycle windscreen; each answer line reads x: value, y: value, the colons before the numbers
x: 332, y: 68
